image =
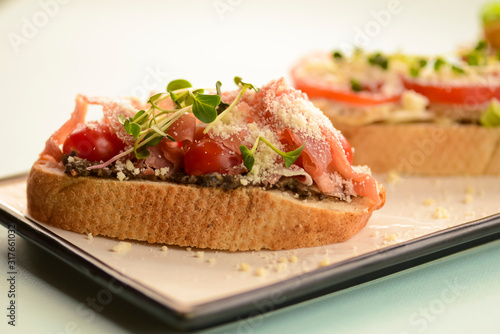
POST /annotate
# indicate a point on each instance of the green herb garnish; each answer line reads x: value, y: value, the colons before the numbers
x: 377, y: 59
x: 438, y: 63
x: 337, y: 55
x: 457, y: 69
x: 243, y: 87
x: 491, y: 116
x: 490, y: 13
x: 356, y: 86
x: 418, y: 64
x: 249, y: 158
x: 149, y: 127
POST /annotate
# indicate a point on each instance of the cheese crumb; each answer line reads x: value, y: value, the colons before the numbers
x: 245, y: 267
x: 429, y: 202
x: 71, y: 159
x: 261, y: 272
x: 470, y: 214
x: 90, y: 236
x: 393, y: 177
x: 441, y: 213
x: 469, y: 198
x: 200, y: 254
x: 122, y: 247
x: 375, y: 234
x: 164, y: 249
x: 281, y: 266
x: 390, y: 237
x: 293, y: 259
x: 325, y: 262
x: 129, y: 165
x: 470, y: 190
x: 211, y: 261
x: 188, y: 249
x: 121, y: 176
x: 283, y: 259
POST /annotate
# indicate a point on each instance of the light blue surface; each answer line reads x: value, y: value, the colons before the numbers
x: 456, y: 294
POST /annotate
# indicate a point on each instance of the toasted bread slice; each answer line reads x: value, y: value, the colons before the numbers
x: 246, y: 218
x: 426, y: 148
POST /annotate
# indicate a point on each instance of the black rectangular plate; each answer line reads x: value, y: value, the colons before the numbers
x: 338, y: 276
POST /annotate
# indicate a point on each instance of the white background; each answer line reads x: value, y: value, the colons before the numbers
x: 50, y: 50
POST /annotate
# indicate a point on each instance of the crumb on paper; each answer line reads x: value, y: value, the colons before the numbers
x: 429, y: 201
x: 245, y: 266
x: 470, y: 190
x: 283, y: 259
x: 390, y: 237
x: 211, y: 261
x: 164, y: 249
x: 325, y: 262
x: 469, y: 198
x: 281, y: 267
x: 393, y: 177
x: 441, y: 213
x: 470, y: 214
x: 375, y: 234
x: 122, y: 247
x: 188, y: 249
x: 200, y: 254
x: 261, y: 272
x: 355, y: 249
x: 293, y: 259
x: 90, y: 237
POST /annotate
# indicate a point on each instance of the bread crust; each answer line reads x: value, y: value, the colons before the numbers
x: 426, y: 148
x: 246, y: 218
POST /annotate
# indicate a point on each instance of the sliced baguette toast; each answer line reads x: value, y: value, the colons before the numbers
x: 246, y: 218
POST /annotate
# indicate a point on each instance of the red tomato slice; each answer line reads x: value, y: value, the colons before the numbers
x: 466, y: 94
x: 208, y: 156
x: 364, y: 98
x: 94, y: 143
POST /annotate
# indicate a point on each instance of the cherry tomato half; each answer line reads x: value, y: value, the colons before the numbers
x: 94, y: 143
x: 208, y: 156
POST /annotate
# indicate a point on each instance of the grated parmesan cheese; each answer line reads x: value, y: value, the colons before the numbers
x: 441, y: 213
x: 245, y: 267
x: 122, y: 247
x: 325, y: 262
x: 121, y: 176
x: 261, y: 272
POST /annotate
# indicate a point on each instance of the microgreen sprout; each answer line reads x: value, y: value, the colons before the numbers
x: 243, y: 87
x: 149, y: 127
x: 249, y: 155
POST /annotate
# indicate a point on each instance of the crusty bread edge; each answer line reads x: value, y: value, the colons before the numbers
x: 246, y: 218
x: 420, y: 148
